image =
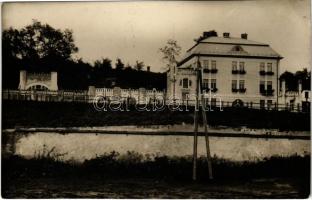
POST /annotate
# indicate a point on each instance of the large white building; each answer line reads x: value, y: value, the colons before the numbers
x: 235, y: 71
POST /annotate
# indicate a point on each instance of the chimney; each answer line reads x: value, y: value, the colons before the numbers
x: 210, y: 34
x: 244, y: 36
x: 226, y: 35
x: 148, y: 68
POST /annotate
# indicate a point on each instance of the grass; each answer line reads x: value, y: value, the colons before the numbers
x: 128, y: 176
x: 133, y: 165
x: 66, y: 114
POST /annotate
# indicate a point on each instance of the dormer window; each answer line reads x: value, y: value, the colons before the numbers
x: 237, y: 48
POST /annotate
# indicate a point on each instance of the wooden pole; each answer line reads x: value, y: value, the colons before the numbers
x: 195, y: 126
x: 205, y: 125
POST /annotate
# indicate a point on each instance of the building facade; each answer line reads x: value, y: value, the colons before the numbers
x: 295, y: 100
x: 38, y: 81
x: 235, y: 71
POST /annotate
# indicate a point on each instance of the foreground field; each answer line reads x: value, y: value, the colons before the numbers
x: 150, y: 188
x: 163, y: 177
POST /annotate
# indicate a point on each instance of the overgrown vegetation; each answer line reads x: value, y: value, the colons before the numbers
x: 45, y: 176
x: 132, y: 164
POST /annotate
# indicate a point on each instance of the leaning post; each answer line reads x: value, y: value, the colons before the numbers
x: 196, y: 124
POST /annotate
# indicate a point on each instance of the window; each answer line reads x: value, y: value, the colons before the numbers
x: 306, y: 95
x: 185, y: 83
x: 205, y: 83
x: 190, y: 83
x: 262, y: 104
x: 237, y: 48
x: 234, y: 65
x: 185, y: 96
x: 241, y: 66
x: 269, y: 67
x: 213, y: 64
x: 213, y: 102
x: 234, y: 84
x: 269, y: 104
x: 206, y: 64
x: 213, y: 83
x: 262, y: 87
x: 262, y: 66
x: 269, y: 85
x: 241, y: 84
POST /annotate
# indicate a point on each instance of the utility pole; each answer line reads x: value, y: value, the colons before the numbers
x: 199, y: 91
x: 206, y: 128
x: 196, y: 124
x: 173, y: 80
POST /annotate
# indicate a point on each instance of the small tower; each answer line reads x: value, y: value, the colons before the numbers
x: 23, y: 80
x: 53, y: 81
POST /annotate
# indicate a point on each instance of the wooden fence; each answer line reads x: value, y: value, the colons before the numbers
x: 136, y: 96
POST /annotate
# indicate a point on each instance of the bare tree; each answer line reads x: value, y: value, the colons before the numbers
x: 138, y: 66
x: 170, y: 53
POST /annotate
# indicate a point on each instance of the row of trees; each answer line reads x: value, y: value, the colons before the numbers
x: 292, y: 80
x: 41, y: 48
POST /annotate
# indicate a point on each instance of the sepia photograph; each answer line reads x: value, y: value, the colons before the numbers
x: 156, y: 99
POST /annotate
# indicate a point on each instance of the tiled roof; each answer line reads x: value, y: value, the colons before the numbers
x: 234, y: 47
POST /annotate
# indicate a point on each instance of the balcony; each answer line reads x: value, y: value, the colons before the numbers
x: 242, y: 72
x: 206, y: 89
x: 263, y: 73
x: 234, y: 90
x: 213, y: 71
x: 214, y: 89
x: 268, y: 92
x: 235, y: 71
x: 206, y: 70
x: 238, y: 72
x: 242, y: 90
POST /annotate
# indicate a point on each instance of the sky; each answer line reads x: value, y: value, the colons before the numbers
x: 136, y: 30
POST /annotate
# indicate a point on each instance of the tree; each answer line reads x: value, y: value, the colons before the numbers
x: 138, y: 65
x: 305, y: 77
x: 170, y: 53
x: 39, y: 44
x: 128, y: 67
x: 119, y: 64
x: 291, y: 79
x: 105, y: 64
